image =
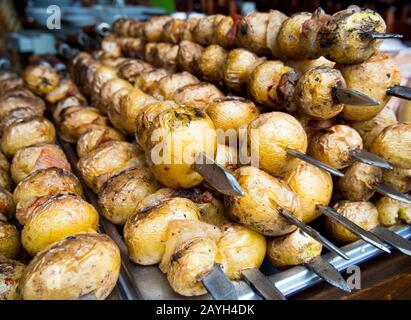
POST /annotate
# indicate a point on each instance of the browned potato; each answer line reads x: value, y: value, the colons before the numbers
x: 153, y: 28
x: 100, y: 77
x: 275, y: 20
x: 314, y: 186
x: 213, y: 212
x: 11, y: 272
x: 66, y: 88
x: 57, y: 217
x: 27, y: 133
x: 5, y: 179
x: 392, y: 212
x: 73, y: 267
x: 16, y: 115
x: 240, y: 248
x: 398, y: 178
x: 188, y: 56
x: 362, y: 213
x: 11, y: 82
x: 302, y: 66
x: 9, y: 240
x: 198, y: 95
x: 269, y: 136
x: 108, y: 90
x: 252, y: 32
x: 168, y: 85
x: 148, y: 81
x: 145, y: 233
x: 132, y: 68
x: 332, y: 145
x: 39, y: 156
x: 11, y: 102
x: 225, y: 31
x: 203, y: 32
x: 41, y: 79
x: 173, y: 31
x: 163, y: 55
x: 385, y: 73
x: 187, y: 33
x: 264, y: 197
x: 7, y: 206
x: 211, y: 63
x: 64, y: 104
x: 113, y: 110
x: 94, y: 136
x: 292, y: 249
x: 120, y: 196
x: 110, y: 47
x: 108, y: 160
x: 393, y: 145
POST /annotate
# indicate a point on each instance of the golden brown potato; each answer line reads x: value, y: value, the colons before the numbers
x: 275, y: 20
x: 110, y: 47
x: 370, y: 129
x: 11, y: 272
x: 203, y: 32
x: 64, y: 104
x: 292, y: 249
x: 120, y: 196
x: 108, y: 160
x: 270, y: 134
x: 232, y: 113
x: 344, y: 39
x: 163, y: 55
x: 168, y: 85
x: 211, y: 63
x: 333, y: 145
x: 76, y: 120
x: 187, y: 33
x: 7, y: 206
x: 59, y: 216
x: 145, y: 233
x: 16, y: 115
x: 228, y: 157
x: 264, y: 197
x: 385, y: 73
x: 252, y: 32
x: 190, y: 254
x: 132, y: 47
x: 41, y: 79
x: 66, y: 88
x: 9, y: 240
x: 5, y: 179
x: 357, y: 183
x: 302, y: 66
x: 198, y: 95
x: 108, y: 90
x: 100, y: 77
x: 11, y: 102
x: 188, y: 56
x: 238, y: 67
x: 42, y: 183
x: 148, y: 81
x: 240, y: 248
x: 94, y: 136
x: 362, y: 213
x: 272, y: 84
x: 73, y: 267
x: 153, y: 28
x: 145, y: 120
x: 132, y: 68
x: 27, y: 133
x: 113, y: 110
x: 173, y: 31
x: 178, y: 136
x: 12, y: 82
x: 398, y: 178
x: 392, y: 212
x: 314, y: 186
x: 314, y: 92
x: 393, y: 144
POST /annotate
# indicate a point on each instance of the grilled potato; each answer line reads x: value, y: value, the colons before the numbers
x: 11, y: 272
x: 40, y: 79
x: 198, y: 95
x: 9, y: 240
x: 211, y: 63
x: 392, y: 212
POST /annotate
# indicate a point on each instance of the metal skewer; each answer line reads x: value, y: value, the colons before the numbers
x: 103, y: 29
x: 386, y: 190
x: 353, y: 97
x: 400, y: 92
x: 393, y: 239
x: 259, y: 282
x: 370, y: 158
x: 218, y: 285
x: 383, y: 35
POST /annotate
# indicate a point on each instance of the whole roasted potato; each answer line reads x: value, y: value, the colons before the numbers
x: 198, y: 95
x: 132, y: 68
x: 108, y: 160
x: 145, y: 233
x: 332, y: 145
x: 264, y: 198
x: 122, y: 193
x: 41, y: 183
x: 100, y: 77
x: 163, y: 56
x: 392, y: 212
x: 314, y: 92
x: 64, y: 104
x: 41, y: 79
x: 7, y: 206
x: 11, y: 82
x: 187, y: 33
x: 362, y: 213
x: 5, y: 179
x: 358, y: 180
x: 39, y: 156
x: 292, y: 249
x: 178, y: 136
x: 188, y: 56
x: 393, y: 145
x: 66, y: 88
x: 385, y: 73
x: 398, y: 178
x: 11, y: 102
x: 9, y: 240
x: 269, y: 136
x: 59, y: 216
x: 240, y: 248
x: 302, y: 66
x: 107, y: 91
x: 213, y: 212
x: 211, y: 63
x: 173, y: 31
x: 275, y: 20
x: 27, y: 133
x: 153, y: 28
x: 16, y: 115
x: 203, y: 32
x: 148, y: 81
x: 94, y: 136
x: 11, y: 272
x: 168, y: 85
x: 301, y: 180
x: 76, y: 266
x: 113, y: 110
x: 252, y: 32
x: 190, y: 254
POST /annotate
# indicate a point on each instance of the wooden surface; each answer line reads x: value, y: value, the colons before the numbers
x: 383, y: 278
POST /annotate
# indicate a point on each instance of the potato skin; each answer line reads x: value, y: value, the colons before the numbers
x: 203, y: 32
x: 332, y: 145
x: 252, y: 32
x: 168, y: 85
x: 302, y: 180
x: 270, y: 134
x: 108, y: 160
x: 9, y: 240
x: 397, y: 178
x: 107, y: 91
x: 121, y: 194
x: 11, y: 272
x: 153, y: 28
x: 362, y: 213
x: 58, y: 217
x: 264, y: 196
x: 392, y: 212
x: 16, y: 115
x: 85, y: 262
x: 11, y: 102
x: 145, y: 233
x: 292, y: 249
x: 393, y: 145
x: 240, y: 248
x: 211, y: 63
x: 40, y: 79
x: 302, y: 66
x: 188, y: 55
x: 197, y: 95
x: 7, y: 206
x: 27, y: 133
x: 147, y: 81
x: 385, y: 73
x: 39, y: 156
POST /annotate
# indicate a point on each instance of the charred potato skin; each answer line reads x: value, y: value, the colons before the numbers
x: 9, y: 240
x: 87, y: 263
x: 10, y: 274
